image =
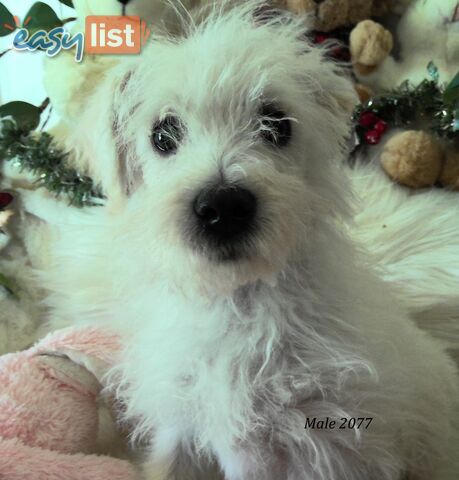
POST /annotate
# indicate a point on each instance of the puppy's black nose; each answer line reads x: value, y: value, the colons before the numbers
x: 225, y: 211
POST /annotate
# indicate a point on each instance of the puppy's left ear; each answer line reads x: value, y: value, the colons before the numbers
x: 95, y: 140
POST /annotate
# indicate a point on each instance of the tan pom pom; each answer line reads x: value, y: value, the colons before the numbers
x: 450, y: 174
x: 413, y: 158
x: 332, y: 14
x: 370, y: 43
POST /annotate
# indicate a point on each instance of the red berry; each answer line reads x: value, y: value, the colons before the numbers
x: 5, y: 199
x: 373, y: 137
x: 320, y: 38
x: 381, y: 126
x: 368, y: 119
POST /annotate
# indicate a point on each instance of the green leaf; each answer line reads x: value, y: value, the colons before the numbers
x: 451, y: 94
x: 69, y: 3
x: 41, y: 17
x: 4, y: 282
x: 7, y: 21
x: 26, y: 115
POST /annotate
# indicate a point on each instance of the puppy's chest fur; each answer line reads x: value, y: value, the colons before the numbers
x: 230, y: 368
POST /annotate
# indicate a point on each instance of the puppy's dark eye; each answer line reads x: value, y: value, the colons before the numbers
x: 276, y: 127
x: 167, y: 135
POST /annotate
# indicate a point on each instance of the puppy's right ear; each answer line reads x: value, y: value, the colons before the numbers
x: 95, y: 139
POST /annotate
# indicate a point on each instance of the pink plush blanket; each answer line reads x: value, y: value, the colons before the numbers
x: 48, y: 409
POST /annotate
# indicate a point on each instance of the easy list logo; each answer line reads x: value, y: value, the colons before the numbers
x: 115, y: 35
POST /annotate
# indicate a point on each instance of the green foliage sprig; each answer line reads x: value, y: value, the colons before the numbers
x: 36, y: 153
x: 430, y: 106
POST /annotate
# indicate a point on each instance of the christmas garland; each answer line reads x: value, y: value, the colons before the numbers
x: 36, y: 153
x: 429, y: 106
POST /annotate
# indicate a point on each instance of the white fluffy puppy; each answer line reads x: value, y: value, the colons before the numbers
x: 221, y: 254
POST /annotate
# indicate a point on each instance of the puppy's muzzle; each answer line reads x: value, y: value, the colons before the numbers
x: 225, y: 213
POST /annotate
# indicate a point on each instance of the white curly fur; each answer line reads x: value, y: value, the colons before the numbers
x: 225, y: 360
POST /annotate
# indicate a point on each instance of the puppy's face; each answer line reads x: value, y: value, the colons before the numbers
x: 221, y: 149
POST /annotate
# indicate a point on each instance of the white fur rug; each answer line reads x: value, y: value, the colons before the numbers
x: 413, y: 236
